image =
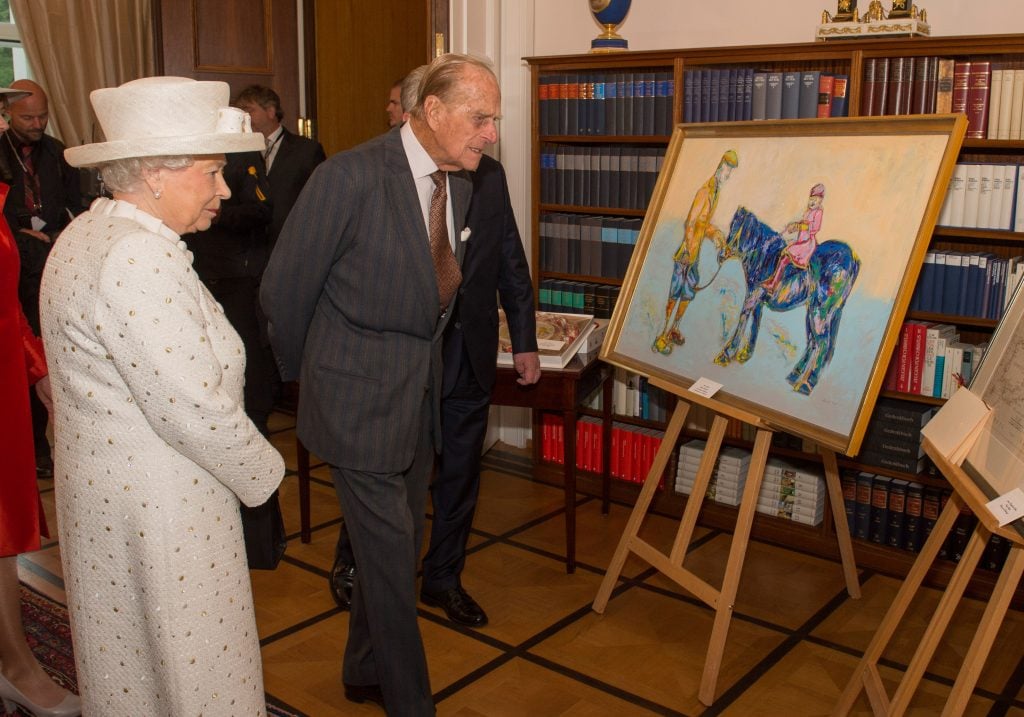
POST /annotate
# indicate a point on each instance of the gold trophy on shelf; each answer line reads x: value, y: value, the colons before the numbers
x: 903, y: 19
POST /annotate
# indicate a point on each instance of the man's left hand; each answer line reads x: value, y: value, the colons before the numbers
x: 528, y: 367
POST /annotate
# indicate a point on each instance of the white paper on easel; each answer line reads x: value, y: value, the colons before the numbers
x: 1007, y: 507
x: 957, y: 425
x: 705, y: 387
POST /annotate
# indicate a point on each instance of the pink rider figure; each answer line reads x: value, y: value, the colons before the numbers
x: 800, y: 250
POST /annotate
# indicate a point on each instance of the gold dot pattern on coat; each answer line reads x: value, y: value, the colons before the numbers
x: 147, y: 505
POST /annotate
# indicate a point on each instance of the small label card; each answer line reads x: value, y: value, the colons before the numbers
x: 1007, y: 507
x: 705, y: 387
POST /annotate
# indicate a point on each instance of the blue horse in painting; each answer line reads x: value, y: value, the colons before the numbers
x: 823, y: 286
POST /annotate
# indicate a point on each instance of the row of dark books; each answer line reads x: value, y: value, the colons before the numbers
x: 930, y: 360
x: 929, y: 85
x: 984, y: 195
x: 632, y: 448
x: 577, y: 297
x: 901, y: 514
x: 599, y: 175
x: 587, y: 245
x: 606, y: 103
x: 746, y: 93
x: 893, y: 436
x: 972, y: 283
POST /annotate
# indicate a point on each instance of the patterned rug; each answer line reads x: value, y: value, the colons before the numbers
x: 49, y: 636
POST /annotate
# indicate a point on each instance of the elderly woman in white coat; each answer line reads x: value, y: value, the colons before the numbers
x: 152, y: 445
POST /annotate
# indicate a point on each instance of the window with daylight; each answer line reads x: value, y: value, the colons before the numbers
x: 13, y: 61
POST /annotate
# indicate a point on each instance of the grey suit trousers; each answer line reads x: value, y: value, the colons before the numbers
x: 384, y: 513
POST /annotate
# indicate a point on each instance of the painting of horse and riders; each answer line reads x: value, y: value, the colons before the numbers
x: 778, y: 259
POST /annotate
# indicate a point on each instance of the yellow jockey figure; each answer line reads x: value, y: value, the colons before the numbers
x: 685, y: 277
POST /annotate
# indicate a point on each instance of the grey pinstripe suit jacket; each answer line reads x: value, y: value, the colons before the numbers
x: 351, y: 296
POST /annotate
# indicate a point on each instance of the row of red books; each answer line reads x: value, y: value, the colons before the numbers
x: 930, y: 85
x: 632, y: 451
x: 930, y: 360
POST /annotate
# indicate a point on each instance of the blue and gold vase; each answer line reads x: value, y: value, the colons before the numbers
x: 610, y: 14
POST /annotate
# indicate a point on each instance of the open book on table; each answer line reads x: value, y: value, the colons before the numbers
x: 558, y: 337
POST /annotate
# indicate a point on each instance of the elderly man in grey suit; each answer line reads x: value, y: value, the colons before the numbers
x: 358, y: 292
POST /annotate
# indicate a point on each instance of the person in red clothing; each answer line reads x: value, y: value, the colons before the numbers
x: 22, y: 679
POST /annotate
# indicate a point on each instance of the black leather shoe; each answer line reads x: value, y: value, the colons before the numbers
x: 364, y: 693
x: 44, y: 466
x: 457, y: 605
x: 341, y: 579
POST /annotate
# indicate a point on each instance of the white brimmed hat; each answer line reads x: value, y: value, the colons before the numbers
x: 165, y: 116
x: 14, y: 95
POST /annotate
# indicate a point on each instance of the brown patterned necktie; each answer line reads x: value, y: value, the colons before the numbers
x: 445, y: 265
x: 32, y: 192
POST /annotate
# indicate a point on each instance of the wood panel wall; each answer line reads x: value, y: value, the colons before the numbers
x: 240, y: 42
x: 361, y: 49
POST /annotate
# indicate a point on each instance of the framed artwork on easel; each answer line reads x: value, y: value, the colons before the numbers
x: 995, y: 461
x: 777, y: 259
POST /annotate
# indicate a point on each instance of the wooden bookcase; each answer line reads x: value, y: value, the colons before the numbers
x: 838, y: 56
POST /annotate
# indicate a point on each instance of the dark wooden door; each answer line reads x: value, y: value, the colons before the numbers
x: 361, y: 48
x: 241, y: 42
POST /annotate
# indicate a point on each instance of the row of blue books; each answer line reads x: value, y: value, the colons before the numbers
x: 599, y: 176
x: 957, y: 283
x: 587, y: 245
x: 746, y: 93
x: 606, y: 103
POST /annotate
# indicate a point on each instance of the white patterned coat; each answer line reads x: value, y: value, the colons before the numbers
x: 153, y: 453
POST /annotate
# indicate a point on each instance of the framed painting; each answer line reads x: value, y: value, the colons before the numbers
x: 777, y: 259
x: 996, y: 459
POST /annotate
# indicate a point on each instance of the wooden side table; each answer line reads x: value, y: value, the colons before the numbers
x: 562, y: 390
x: 558, y: 390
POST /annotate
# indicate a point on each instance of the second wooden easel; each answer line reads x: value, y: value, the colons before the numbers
x: 867, y: 677
x: 721, y: 600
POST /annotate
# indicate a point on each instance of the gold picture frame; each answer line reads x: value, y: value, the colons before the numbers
x: 704, y: 282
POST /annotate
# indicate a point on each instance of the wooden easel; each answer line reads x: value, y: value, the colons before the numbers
x: 671, y: 565
x: 866, y: 677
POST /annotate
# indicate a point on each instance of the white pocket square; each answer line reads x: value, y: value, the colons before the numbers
x: 464, y: 236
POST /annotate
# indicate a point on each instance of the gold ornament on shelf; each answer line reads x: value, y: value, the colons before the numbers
x: 846, y: 11
x: 875, y: 12
x: 900, y: 9
x: 903, y: 20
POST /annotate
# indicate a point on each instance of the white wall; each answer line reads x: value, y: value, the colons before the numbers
x: 566, y: 26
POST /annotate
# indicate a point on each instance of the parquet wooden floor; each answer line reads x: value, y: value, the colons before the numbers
x: 793, y: 644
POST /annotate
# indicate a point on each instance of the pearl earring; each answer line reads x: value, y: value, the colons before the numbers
x: 156, y: 193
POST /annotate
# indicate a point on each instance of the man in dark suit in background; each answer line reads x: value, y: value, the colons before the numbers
x: 45, y: 194
x: 289, y: 159
x: 495, y: 265
x: 230, y: 258
x: 358, y: 292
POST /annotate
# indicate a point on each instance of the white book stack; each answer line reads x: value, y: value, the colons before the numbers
x: 728, y: 478
x: 1009, y: 196
x: 952, y: 213
x: 792, y: 493
x: 972, y: 196
x: 983, y: 196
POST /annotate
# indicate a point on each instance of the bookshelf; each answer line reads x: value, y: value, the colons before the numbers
x: 601, y: 123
